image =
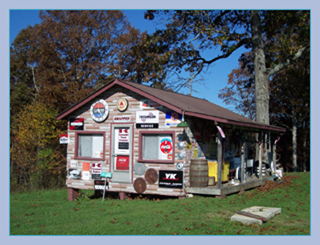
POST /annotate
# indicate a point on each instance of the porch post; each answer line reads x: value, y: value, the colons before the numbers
x: 274, y: 147
x: 243, y: 145
x: 219, y: 161
x: 260, y: 155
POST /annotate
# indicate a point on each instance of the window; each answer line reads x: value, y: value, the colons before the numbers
x: 90, y: 146
x: 157, y: 147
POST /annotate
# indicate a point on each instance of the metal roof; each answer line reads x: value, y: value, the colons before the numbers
x: 188, y: 105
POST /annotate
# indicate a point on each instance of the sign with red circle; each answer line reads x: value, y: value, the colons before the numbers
x: 166, y: 146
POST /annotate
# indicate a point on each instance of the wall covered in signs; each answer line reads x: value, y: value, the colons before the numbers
x: 90, y: 149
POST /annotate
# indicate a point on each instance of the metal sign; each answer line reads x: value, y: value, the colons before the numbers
x: 100, y: 185
x: 64, y: 139
x: 122, y: 104
x: 173, y: 118
x: 145, y: 117
x: 122, y: 118
x: 106, y: 175
x: 76, y: 123
x: 171, y: 179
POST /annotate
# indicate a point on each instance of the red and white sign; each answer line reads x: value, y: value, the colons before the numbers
x: 123, y: 135
x: 76, y: 124
x: 122, y: 118
x: 122, y: 163
x: 96, y: 168
x: 64, y: 139
x: 166, y: 146
x: 149, y: 104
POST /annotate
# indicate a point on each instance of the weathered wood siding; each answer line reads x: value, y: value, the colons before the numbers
x: 111, y: 96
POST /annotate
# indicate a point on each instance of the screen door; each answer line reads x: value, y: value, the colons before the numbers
x: 121, y: 153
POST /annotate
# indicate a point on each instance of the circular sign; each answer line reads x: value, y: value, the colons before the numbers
x: 122, y: 104
x: 180, y: 166
x: 139, y: 185
x: 166, y: 146
x: 99, y: 111
x: 139, y: 168
x: 151, y: 176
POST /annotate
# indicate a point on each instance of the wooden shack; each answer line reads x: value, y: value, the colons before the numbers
x: 159, y: 142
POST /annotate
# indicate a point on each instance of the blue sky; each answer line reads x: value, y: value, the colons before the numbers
x: 214, y: 79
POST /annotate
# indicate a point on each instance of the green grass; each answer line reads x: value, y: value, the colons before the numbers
x: 50, y: 213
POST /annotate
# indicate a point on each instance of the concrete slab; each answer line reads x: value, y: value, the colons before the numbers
x: 264, y: 212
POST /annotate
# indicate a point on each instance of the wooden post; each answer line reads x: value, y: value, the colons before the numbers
x: 219, y: 161
x: 274, y: 147
x: 72, y: 194
x: 260, y: 155
x: 243, y: 145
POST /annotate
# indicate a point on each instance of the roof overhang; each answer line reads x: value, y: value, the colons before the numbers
x: 115, y: 82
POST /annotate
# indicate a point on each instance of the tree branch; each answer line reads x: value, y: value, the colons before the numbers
x: 282, y: 65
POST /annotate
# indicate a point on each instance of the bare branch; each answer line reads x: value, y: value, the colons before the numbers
x: 282, y: 65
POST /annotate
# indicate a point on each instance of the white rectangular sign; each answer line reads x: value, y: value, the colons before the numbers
x: 147, y: 116
x: 122, y: 118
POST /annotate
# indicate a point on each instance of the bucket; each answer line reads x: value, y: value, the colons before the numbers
x: 199, y: 173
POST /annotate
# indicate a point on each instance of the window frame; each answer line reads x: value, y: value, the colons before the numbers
x: 159, y: 133
x: 77, y: 157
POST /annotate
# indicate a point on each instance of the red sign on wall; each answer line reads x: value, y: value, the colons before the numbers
x: 166, y: 146
x: 122, y: 163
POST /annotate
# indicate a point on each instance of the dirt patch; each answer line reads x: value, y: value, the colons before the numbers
x: 285, y: 181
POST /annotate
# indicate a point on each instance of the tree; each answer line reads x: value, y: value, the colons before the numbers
x: 70, y: 52
x: 37, y: 159
x: 189, y: 32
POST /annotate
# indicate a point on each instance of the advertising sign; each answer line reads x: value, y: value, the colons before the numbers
x: 99, y: 185
x: 96, y: 170
x: 122, y: 104
x: 171, y: 179
x: 74, y: 173
x: 64, y: 139
x: 122, y: 118
x: 122, y: 163
x: 147, y: 119
x: 146, y: 103
x: 165, y: 145
x: 76, y: 123
x: 173, y: 118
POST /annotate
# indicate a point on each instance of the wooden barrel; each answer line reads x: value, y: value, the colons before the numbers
x: 199, y: 173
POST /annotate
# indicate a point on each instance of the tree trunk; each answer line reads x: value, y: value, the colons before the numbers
x: 261, y: 79
x: 294, y: 140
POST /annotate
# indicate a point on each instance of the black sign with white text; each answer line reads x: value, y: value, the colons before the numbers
x: 147, y: 125
x: 124, y: 145
x: 171, y: 179
x: 99, y: 185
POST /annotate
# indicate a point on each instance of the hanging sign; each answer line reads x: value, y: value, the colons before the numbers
x: 173, y: 118
x: 146, y: 103
x: 122, y: 118
x: 64, y: 139
x: 122, y: 163
x: 99, y: 111
x: 147, y: 119
x: 171, y: 179
x: 76, y: 123
x: 122, y: 104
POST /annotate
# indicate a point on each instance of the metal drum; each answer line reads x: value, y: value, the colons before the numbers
x: 199, y: 173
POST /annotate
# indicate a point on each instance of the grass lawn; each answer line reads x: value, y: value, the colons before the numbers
x: 50, y: 213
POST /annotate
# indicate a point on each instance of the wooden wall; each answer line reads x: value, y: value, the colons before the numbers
x: 111, y: 96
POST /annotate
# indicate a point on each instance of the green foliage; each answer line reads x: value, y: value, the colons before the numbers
x: 36, y: 156
x: 50, y: 213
